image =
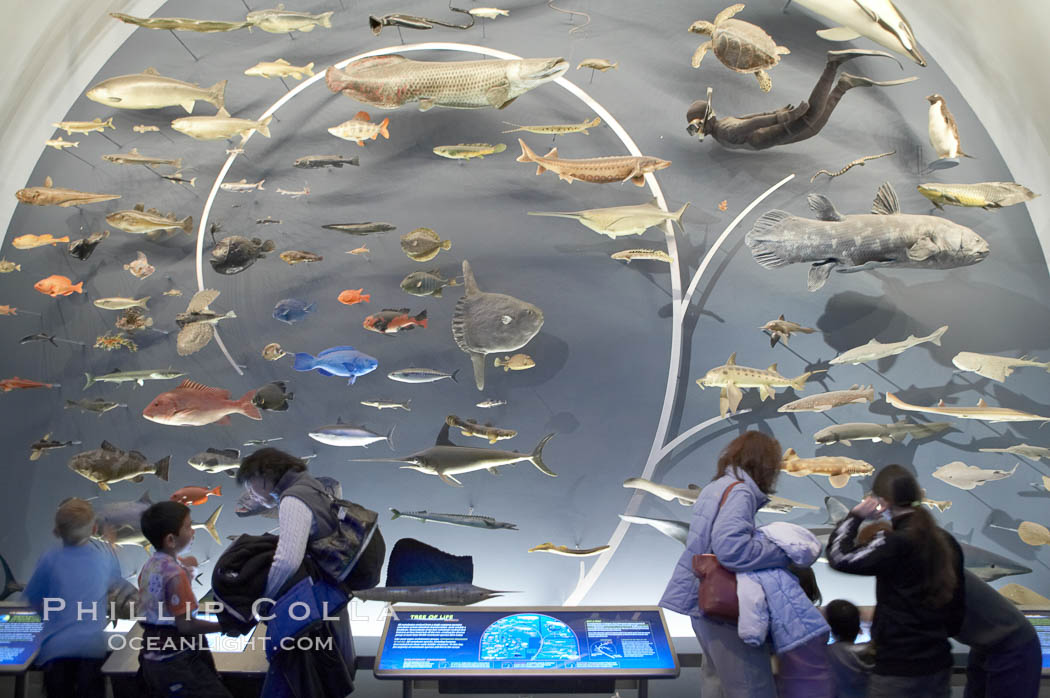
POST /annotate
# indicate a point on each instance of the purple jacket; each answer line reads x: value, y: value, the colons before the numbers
x: 732, y: 539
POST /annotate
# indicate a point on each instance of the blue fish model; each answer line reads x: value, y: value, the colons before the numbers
x: 292, y: 310
x: 337, y: 361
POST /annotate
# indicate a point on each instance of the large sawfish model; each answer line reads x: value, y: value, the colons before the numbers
x: 883, y: 238
x: 389, y: 82
x: 445, y: 459
x: 878, y: 20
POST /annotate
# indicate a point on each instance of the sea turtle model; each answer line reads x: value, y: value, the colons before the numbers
x: 741, y: 46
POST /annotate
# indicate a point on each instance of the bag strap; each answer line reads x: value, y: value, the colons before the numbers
x: 720, y: 503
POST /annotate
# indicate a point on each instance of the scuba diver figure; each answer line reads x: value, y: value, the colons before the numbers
x: 788, y: 124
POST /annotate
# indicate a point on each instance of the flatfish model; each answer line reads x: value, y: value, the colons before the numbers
x: 877, y: 433
x: 466, y: 520
x: 884, y: 238
x: 855, y: 395
x: 731, y: 378
x: 997, y: 368
x: 108, y: 464
x: 193, y: 405
x: 601, y: 170
x: 446, y: 460
x: 620, y: 221
x: 967, y: 477
x: 986, y: 195
x: 875, y: 350
x: 222, y: 125
x: 981, y: 411
x: 389, y: 82
x: 566, y: 551
x: 839, y: 469
x: 423, y: 244
x: 151, y: 90
x: 50, y: 195
x: 490, y: 323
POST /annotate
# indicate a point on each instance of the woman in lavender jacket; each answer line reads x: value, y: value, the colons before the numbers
x: 753, y: 459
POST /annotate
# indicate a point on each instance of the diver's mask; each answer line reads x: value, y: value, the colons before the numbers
x: 700, y: 115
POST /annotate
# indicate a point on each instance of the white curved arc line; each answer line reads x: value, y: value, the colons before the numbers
x: 654, y: 186
x: 658, y: 452
x: 686, y: 435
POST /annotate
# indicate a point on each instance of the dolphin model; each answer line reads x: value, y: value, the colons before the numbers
x: 878, y: 20
x: 446, y: 460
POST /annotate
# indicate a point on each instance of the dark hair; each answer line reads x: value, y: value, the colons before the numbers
x: 808, y: 581
x: 844, y: 619
x: 931, y: 543
x: 161, y: 519
x: 270, y: 463
x: 755, y: 453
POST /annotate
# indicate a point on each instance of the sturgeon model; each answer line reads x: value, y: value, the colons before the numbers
x: 601, y: 170
x: 986, y: 195
x: 838, y: 469
x: 998, y: 368
x: 50, y: 195
x: 877, y: 433
x: 857, y: 394
x: 151, y: 90
x: 878, y: 20
x: 731, y: 378
x: 467, y: 520
x: 884, y: 238
x: 875, y: 350
x: 389, y: 82
x: 980, y: 411
x: 446, y: 460
x: 618, y: 221
x: 688, y: 496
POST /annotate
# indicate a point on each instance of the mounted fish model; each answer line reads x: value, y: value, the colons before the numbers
x: 490, y: 323
x: 731, y: 378
x: 50, y: 195
x: 389, y: 82
x: 600, y: 170
x: 878, y: 20
x: 197, y: 324
x: 875, y: 350
x: 838, y: 469
x: 618, y: 221
x: 884, y: 238
x: 151, y: 90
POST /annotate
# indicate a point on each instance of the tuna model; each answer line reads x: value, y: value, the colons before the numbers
x: 884, y: 238
x: 731, y: 378
x: 389, y: 82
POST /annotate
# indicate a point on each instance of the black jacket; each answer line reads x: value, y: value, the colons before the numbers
x: 910, y: 637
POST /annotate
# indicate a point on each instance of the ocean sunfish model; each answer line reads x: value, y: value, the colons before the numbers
x: 389, y: 82
x: 883, y: 238
x: 446, y: 460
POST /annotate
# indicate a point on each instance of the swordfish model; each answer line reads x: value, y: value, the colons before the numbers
x: 446, y: 460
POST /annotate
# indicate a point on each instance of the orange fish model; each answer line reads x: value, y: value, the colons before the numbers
x: 28, y: 242
x: 360, y: 128
x: 50, y: 195
x: 390, y: 321
x: 194, y: 405
x: 8, y: 310
x: 16, y: 383
x: 192, y: 494
x: 58, y: 285
x: 351, y: 297
x: 618, y: 168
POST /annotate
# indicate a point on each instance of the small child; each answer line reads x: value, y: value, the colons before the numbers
x: 849, y: 665
x: 80, y: 571
x: 175, y: 658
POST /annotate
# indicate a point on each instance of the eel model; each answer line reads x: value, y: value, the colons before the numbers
x: 446, y: 460
x: 986, y: 195
x: 997, y: 368
x: 389, y: 82
x: 856, y: 395
x: 839, y: 469
x: 878, y: 433
x: 883, y: 238
x: 981, y: 411
x: 151, y: 90
x: 467, y: 520
x: 878, y: 20
x: 731, y: 378
x: 875, y: 350
x: 601, y: 170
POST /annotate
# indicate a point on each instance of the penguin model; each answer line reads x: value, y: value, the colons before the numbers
x: 944, y: 134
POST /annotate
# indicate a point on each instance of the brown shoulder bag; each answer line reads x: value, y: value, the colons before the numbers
x: 717, y: 596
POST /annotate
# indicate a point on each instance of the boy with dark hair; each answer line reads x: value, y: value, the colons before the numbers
x: 175, y: 659
x: 76, y: 575
x: 849, y: 666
